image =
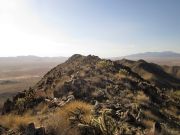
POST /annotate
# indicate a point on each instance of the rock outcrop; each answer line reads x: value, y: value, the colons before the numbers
x: 32, y: 130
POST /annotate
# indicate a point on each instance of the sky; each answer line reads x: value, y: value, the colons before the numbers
x: 107, y: 28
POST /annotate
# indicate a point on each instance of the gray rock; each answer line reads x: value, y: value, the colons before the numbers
x: 8, y: 106
x: 40, y: 131
x: 2, y: 130
x: 30, y: 130
x: 157, y: 129
x: 70, y: 98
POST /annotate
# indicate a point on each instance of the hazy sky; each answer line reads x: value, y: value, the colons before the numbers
x: 100, y: 27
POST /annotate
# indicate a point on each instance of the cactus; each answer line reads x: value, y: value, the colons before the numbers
x: 76, y: 117
x: 105, y: 123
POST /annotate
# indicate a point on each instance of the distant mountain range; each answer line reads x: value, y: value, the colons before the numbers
x: 162, y: 58
x: 166, y: 54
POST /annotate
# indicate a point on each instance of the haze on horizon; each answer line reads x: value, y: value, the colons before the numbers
x: 104, y: 28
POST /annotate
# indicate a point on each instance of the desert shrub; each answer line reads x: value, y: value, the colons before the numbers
x: 172, y: 111
x: 149, y: 115
x: 104, y: 64
x: 20, y: 104
x: 123, y: 72
x: 1, y: 105
x: 141, y: 97
x: 42, y: 108
x: 120, y: 75
x: 59, y: 122
x: 29, y: 101
x: 147, y: 123
x: 175, y: 95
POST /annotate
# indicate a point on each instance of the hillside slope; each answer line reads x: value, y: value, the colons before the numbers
x: 163, y: 76
x: 173, y: 70
x: 122, y: 101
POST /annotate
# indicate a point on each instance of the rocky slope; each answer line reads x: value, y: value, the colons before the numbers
x: 173, y: 70
x: 123, y: 102
x: 162, y: 76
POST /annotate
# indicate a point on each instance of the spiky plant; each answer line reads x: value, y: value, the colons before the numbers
x: 105, y: 123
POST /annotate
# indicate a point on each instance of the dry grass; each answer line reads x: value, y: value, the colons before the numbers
x: 85, y: 107
x: 149, y: 115
x: 16, y: 121
x: 120, y: 75
x: 141, y: 97
x: 40, y: 110
x: 148, y: 123
x: 171, y: 110
x: 59, y: 122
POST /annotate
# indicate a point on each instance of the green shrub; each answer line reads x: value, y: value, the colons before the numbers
x: 104, y: 64
x: 20, y: 105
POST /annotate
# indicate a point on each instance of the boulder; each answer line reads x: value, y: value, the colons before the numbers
x: 8, y: 106
x: 157, y: 128
x: 2, y: 130
x: 40, y: 131
x: 30, y: 130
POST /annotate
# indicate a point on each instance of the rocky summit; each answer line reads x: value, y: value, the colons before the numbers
x: 87, y: 95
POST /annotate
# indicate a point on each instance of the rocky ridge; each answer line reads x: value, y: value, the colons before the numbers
x: 120, y: 97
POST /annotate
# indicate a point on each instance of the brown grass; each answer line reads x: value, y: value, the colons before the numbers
x: 16, y: 121
x: 141, y: 97
x: 59, y: 122
x: 120, y: 75
x: 149, y: 115
x: 172, y: 110
x: 148, y: 123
